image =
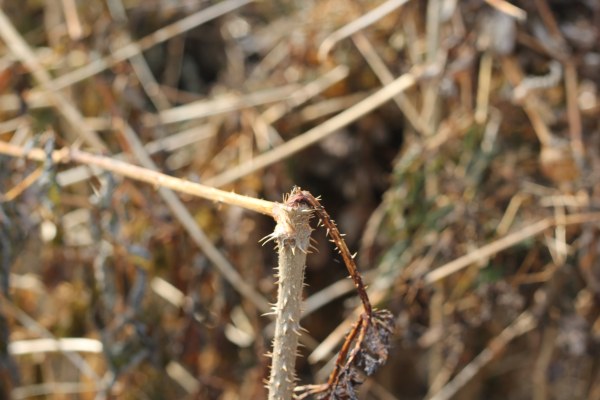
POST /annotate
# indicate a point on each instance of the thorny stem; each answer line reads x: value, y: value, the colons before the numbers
x: 292, y: 236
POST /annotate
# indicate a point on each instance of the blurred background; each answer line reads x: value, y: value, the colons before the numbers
x: 470, y: 196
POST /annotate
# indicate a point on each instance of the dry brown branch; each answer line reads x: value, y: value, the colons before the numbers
x: 21, y: 50
x: 159, y: 36
x: 173, y: 142
x: 523, y: 324
x: 385, y: 77
x: 515, y: 76
x: 154, y: 178
x: 187, y: 220
x: 222, y: 104
x: 319, y: 132
x: 358, y: 24
x: 508, y: 9
x: 163, y: 181
x: 484, y: 252
x: 75, y: 358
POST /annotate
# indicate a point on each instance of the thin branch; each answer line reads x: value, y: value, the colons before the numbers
x: 168, y: 32
x: 170, y: 143
x: 504, y: 243
x: 366, y: 347
x: 75, y: 358
x: 19, y: 47
x: 319, y: 132
x: 385, y: 77
x: 508, y: 9
x: 134, y: 172
x: 52, y: 345
x: 358, y: 24
x: 521, y: 325
x: 222, y: 104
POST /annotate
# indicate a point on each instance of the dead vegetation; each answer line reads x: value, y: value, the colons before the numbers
x: 455, y: 143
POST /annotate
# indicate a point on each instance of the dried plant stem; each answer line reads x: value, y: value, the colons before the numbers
x: 514, y: 74
x: 385, y: 76
x: 21, y: 50
x: 292, y: 235
x: 505, y: 242
x: 521, y: 325
x: 321, y: 131
x: 141, y: 174
x: 358, y: 24
x: 508, y: 9
x: 130, y: 50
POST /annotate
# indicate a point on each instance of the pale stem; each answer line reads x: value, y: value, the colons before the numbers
x: 137, y: 173
x: 292, y: 235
